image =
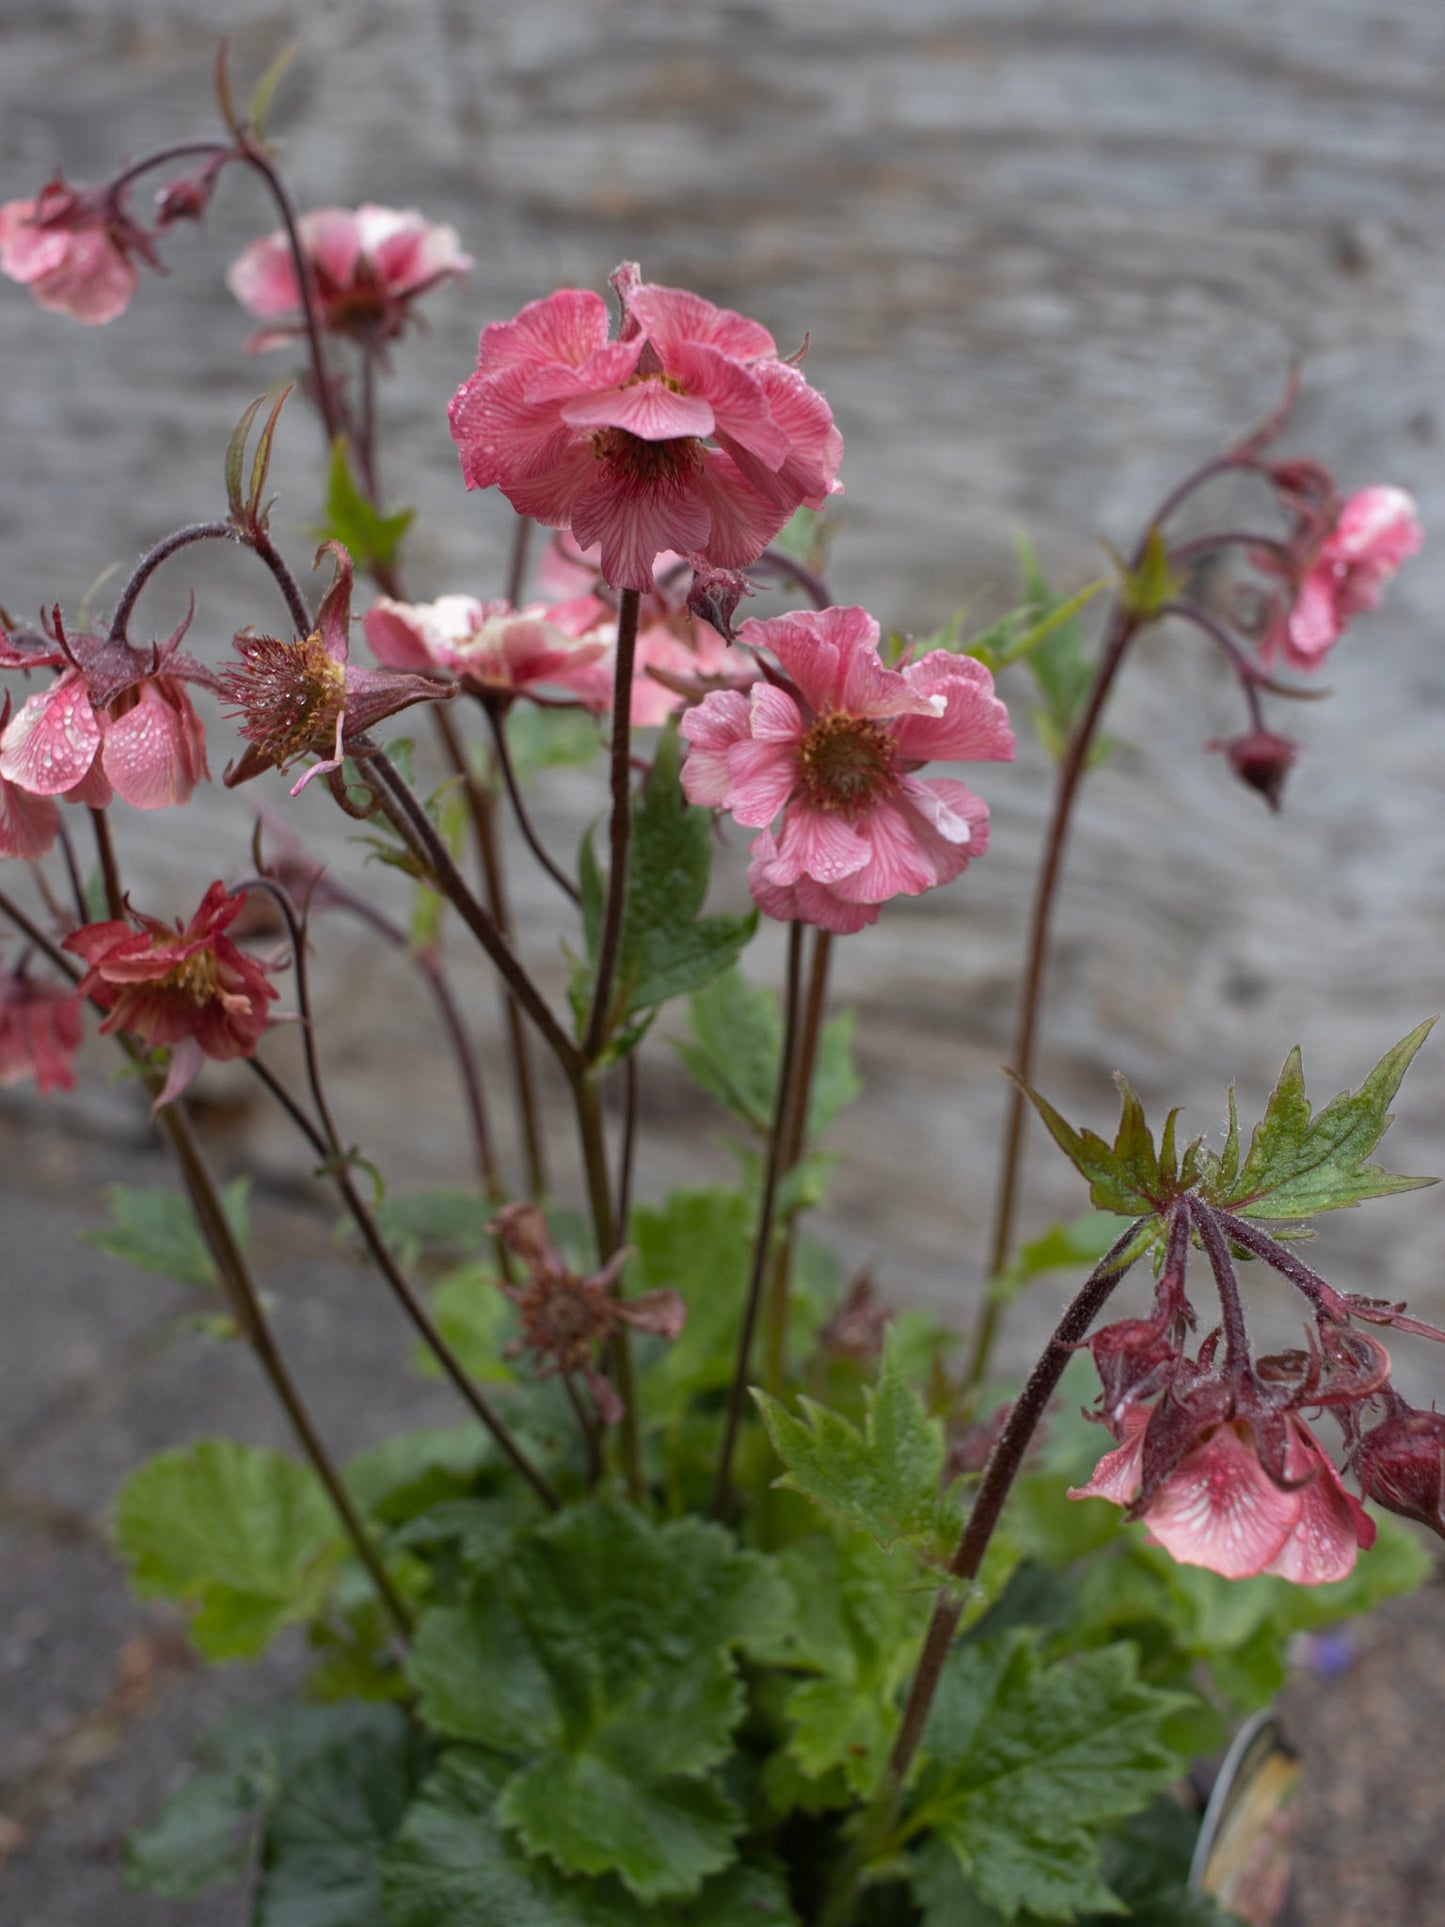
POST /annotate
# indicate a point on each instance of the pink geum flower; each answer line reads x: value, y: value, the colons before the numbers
x: 188, y: 988
x: 1343, y: 574
x: 116, y: 721
x: 687, y: 432
x: 1220, y: 1508
x: 494, y: 650
x: 304, y: 697
x: 369, y: 264
x: 28, y: 824
x: 39, y: 1032
x: 835, y: 752
x: 72, y: 247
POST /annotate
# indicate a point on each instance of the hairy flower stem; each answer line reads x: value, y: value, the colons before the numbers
x: 152, y: 560
x: 608, y: 1235
x: 109, y: 869
x: 763, y: 1237
x: 517, y: 569
x: 337, y: 1164
x: 998, y: 1476
x: 410, y: 821
x: 795, y: 1142
x: 480, y: 808
x: 1216, y: 1247
x: 599, y: 1021
x: 496, y: 717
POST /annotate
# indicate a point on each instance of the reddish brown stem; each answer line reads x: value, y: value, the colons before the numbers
x: 599, y: 1021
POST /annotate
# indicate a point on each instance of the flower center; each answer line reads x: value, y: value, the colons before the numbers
x: 288, y: 694
x: 847, y: 763
x: 196, y: 978
x: 648, y: 467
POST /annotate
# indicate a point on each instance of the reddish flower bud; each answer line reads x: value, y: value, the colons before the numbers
x: 1261, y: 759
x: 1401, y: 1465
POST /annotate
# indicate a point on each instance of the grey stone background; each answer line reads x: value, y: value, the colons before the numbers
x: 1050, y: 256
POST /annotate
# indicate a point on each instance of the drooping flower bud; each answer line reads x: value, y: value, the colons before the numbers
x: 1401, y: 1465
x: 1261, y: 759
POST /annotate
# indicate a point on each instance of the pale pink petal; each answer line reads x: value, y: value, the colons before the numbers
x: 819, y: 903
x: 648, y: 409
x: 607, y: 367
x: 744, y: 519
x: 974, y: 726
x: 738, y: 402
x: 775, y: 717
x: 870, y: 689
x: 567, y: 326
x: 51, y: 742
x: 149, y: 753
x: 263, y: 277
x: 1313, y: 625
x: 1380, y: 525
x: 712, y: 728
x: 1117, y: 1475
x: 634, y: 523
x: 764, y: 775
x: 937, y: 809
x: 94, y: 284
x: 1332, y: 1525
x: 1219, y: 1508
x: 807, y: 652
x: 818, y: 844
x: 896, y: 866
x: 28, y: 824
x: 502, y: 437
x: 330, y: 238
x: 396, y: 635
x: 93, y: 791
x: 808, y: 473
x: 672, y: 317
x: 551, y: 496
x: 187, y: 1058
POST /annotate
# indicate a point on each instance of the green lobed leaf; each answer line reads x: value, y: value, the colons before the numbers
x: 882, y: 1479
x: 156, y: 1230
x: 410, y: 1472
x: 1123, y: 1177
x: 737, y: 1036
x: 452, y: 1865
x: 354, y: 521
x: 599, y: 1662
x: 247, y: 1536
x: 698, y: 1243
x: 1297, y: 1163
x: 1025, y: 1762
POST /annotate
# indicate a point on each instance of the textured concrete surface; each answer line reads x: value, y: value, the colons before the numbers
x: 1049, y: 257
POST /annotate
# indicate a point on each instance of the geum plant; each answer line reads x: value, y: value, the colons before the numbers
x: 612, y: 1650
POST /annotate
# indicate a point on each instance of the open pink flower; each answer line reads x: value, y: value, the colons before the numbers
x: 492, y: 648
x: 836, y: 755
x: 305, y: 697
x: 1375, y: 531
x: 188, y: 987
x: 370, y: 263
x: 39, y: 1032
x: 117, y: 720
x: 72, y: 247
x: 1220, y: 1508
x: 687, y: 432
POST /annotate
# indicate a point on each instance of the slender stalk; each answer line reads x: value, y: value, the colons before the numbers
x: 587, y: 1428
x: 627, y: 1156
x: 794, y: 1145
x: 620, y: 830
x: 1216, y: 1248
x: 336, y: 1165
x: 1122, y: 630
x: 607, y: 1232
x: 410, y: 820
x: 152, y: 560
x: 480, y: 808
x: 517, y: 570
x: 247, y: 1306
x: 763, y: 1237
x: 507, y: 769
x: 812, y: 584
x: 998, y: 1476
x: 110, y: 873
x: 164, y: 156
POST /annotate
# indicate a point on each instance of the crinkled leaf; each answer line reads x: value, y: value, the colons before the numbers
x: 411, y: 1472
x: 246, y: 1535
x: 1025, y: 1763
x: 737, y: 1030
x: 353, y: 520
x: 600, y: 1660
x: 156, y: 1230
x: 1124, y: 1176
x: 1298, y: 1163
x: 331, y: 1825
x: 667, y: 947
x: 452, y: 1865
x: 882, y: 1479
x: 698, y: 1243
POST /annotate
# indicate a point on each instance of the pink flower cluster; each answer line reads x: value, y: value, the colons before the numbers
x: 687, y: 432
x: 75, y: 249
x: 369, y: 264
x: 1340, y: 572
x: 822, y: 757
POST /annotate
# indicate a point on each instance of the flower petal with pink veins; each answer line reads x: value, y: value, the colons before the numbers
x: 151, y: 753
x: 764, y: 776
x: 820, y: 845
x: 744, y: 519
x: 1118, y: 1473
x: 93, y: 791
x: 808, y: 473
x: 502, y: 437
x: 567, y: 326
x: 973, y: 726
x: 711, y: 729
x: 94, y: 285
x: 648, y: 409
x: 28, y: 824
x: 738, y: 402
x: 1332, y: 1526
x: 1219, y: 1508
x: 51, y: 742
x: 634, y: 523
x: 871, y: 689
x: 775, y: 717
x: 896, y: 867
x: 940, y: 799
x: 1379, y: 524
x: 398, y: 635
x: 552, y: 495
x: 672, y: 317
x: 608, y: 367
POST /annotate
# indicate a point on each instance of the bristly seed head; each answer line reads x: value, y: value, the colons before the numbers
x: 847, y: 763
x: 288, y: 695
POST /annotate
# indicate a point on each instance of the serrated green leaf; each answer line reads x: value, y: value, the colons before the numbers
x: 1124, y: 1176
x: 882, y: 1479
x: 353, y: 520
x: 737, y: 1037
x: 248, y: 1536
x: 331, y: 1825
x: 156, y: 1230
x: 700, y: 1244
x: 411, y: 1472
x: 1299, y: 1164
x: 667, y: 947
x: 600, y: 1660
x: 453, y: 1866
x: 1026, y: 1762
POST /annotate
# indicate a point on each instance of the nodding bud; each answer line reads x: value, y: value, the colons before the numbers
x: 715, y: 595
x: 1401, y: 1465
x: 1261, y: 759
x: 187, y: 198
